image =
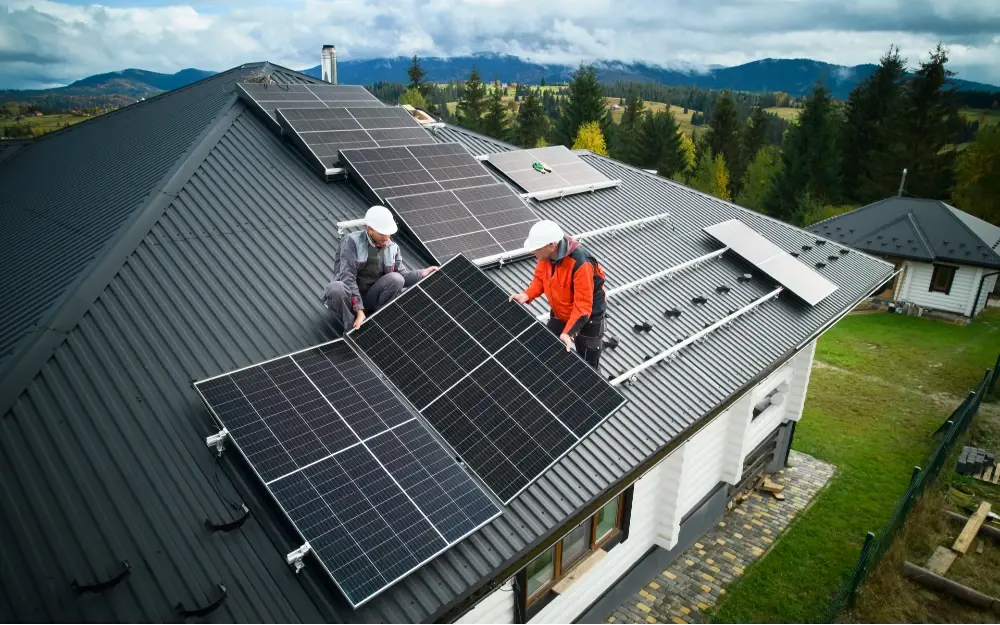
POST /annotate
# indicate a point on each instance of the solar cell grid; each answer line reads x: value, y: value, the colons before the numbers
x: 266, y: 98
x: 497, y: 386
x: 366, y: 485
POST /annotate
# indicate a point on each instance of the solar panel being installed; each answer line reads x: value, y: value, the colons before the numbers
x: 368, y: 487
x: 446, y: 197
x: 321, y: 133
x: 267, y: 98
x: 567, y: 173
x: 495, y: 384
x: 773, y: 261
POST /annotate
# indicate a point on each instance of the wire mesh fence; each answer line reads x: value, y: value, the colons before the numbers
x: 875, y: 546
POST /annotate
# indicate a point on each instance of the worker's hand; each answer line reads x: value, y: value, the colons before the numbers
x: 520, y: 298
x: 359, y: 318
x: 428, y: 271
x: 567, y: 341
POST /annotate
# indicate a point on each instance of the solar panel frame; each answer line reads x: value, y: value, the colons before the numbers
x: 265, y: 98
x: 569, y: 174
x: 782, y: 267
x: 493, y: 323
x: 320, y: 133
x: 450, y: 202
x: 411, y: 435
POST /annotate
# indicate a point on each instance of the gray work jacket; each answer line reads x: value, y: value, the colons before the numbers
x: 354, y: 254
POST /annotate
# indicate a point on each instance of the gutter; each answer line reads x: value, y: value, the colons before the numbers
x: 979, y: 291
x: 459, y: 606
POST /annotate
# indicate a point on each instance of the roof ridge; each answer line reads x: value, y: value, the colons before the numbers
x: 294, y: 71
x: 920, y: 233
x: 79, y: 298
x: 951, y: 211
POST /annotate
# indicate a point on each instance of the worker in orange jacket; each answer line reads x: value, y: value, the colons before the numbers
x: 573, y: 283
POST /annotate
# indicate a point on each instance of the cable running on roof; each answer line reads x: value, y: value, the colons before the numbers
x: 634, y: 371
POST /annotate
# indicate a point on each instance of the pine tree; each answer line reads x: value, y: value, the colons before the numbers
x: 414, y: 98
x: 756, y: 134
x: 810, y: 163
x: 532, y: 125
x: 724, y: 135
x: 758, y: 178
x: 495, y: 121
x: 625, y: 143
x: 472, y: 103
x: 977, y: 185
x: 659, y: 145
x: 417, y: 74
x: 921, y: 132
x: 590, y: 137
x: 584, y: 103
x: 871, y: 118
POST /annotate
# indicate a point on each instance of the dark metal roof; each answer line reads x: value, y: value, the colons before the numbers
x: 927, y: 230
x: 10, y: 147
x: 102, y: 452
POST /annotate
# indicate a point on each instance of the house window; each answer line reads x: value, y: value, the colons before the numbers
x: 545, y: 571
x: 942, y: 278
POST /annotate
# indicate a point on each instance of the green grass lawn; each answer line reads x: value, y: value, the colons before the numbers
x: 44, y: 124
x: 875, y: 429
x: 785, y: 112
x: 983, y: 116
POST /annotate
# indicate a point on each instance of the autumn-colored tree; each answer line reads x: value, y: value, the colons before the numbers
x: 712, y: 176
x: 687, y: 149
x: 977, y: 176
x: 590, y: 137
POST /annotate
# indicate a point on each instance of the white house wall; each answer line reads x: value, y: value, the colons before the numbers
x: 988, y: 286
x: 916, y: 288
x: 669, y: 491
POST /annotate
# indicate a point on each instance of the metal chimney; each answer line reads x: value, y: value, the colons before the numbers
x: 328, y: 66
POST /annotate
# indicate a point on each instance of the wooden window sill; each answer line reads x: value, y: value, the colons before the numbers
x: 579, y: 571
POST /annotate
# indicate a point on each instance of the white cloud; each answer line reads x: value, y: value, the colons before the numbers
x: 48, y: 42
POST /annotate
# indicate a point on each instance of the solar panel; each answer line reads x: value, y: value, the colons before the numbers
x: 321, y: 133
x: 773, y: 261
x: 446, y: 197
x: 267, y: 98
x: 495, y: 384
x: 368, y: 487
x: 567, y: 173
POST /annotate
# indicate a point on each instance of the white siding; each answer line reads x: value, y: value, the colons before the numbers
x: 668, y: 492
x: 497, y: 607
x: 916, y: 289
x: 988, y: 287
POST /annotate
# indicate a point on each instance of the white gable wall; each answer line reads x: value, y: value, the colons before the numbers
x: 668, y: 492
x: 916, y: 288
x: 988, y: 286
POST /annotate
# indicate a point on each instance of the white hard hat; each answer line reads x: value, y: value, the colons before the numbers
x: 379, y: 219
x: 542, y: 234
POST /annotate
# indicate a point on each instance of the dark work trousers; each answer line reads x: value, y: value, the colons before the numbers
x: 338, y: 299
x: 589, y: 341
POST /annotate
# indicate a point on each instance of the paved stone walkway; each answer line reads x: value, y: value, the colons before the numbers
x: 695, y: 581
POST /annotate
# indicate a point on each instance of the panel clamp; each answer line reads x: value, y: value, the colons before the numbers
x: 294, y: 558
x: 218, y: 440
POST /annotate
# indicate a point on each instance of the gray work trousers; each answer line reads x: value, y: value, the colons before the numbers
x: 338, y: 299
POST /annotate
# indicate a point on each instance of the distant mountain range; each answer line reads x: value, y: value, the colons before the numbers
x: 793, y: 76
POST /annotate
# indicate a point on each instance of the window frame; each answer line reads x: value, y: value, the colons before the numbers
x: 939, y: 269
x: 559, y: 572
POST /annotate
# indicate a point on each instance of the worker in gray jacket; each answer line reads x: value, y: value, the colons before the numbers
x: 369, y: 271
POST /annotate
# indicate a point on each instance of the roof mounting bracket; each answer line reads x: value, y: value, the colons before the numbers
x: 218, y: 440
x: 294, y: 559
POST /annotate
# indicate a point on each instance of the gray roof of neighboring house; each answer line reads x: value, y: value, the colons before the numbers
x: 102, y: 436
x: 921, y: 229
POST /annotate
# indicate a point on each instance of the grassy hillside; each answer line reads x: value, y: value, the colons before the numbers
x: 683, y: 119
x: 985, y: 117
x: 44, y: 124
x: 785, y: 112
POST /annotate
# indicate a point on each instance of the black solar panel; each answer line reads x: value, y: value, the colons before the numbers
x: 367, y: 486
x: 321, y: 133
x: 449, y: 200
x: 495, y: 384
x: 266, y: 98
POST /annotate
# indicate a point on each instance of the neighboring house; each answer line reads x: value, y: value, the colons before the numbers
x: 947, y: 259
x: 181, y: 237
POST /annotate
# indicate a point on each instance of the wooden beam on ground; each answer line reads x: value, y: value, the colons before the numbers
x: 941, y: 560
x: 772, y: 487
x: 971, y: 528
x: 963, y: 593
x: 985, y: 530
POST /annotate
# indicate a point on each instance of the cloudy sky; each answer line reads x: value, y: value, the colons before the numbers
x: 45, y: 43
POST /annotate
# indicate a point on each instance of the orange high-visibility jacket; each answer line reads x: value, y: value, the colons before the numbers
x: 573, y: 284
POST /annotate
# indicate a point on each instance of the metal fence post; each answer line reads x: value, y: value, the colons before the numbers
x: 993, y: 380
x: 862, y: 568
